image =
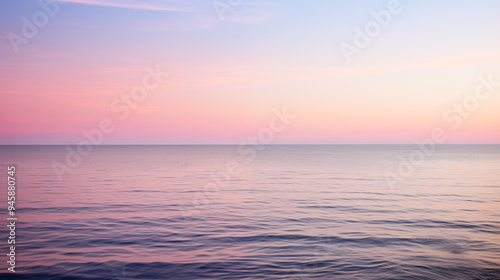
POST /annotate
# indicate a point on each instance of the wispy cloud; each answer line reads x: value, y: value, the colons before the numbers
x: 162, y: 5
x: 246, y: 12
x: 196, y: 14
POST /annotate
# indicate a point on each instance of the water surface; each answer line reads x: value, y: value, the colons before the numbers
x: 291, y: 212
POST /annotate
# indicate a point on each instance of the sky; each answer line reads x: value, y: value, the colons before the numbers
x: 217, y: 72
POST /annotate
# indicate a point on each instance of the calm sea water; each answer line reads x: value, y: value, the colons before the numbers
x: 291, y: 212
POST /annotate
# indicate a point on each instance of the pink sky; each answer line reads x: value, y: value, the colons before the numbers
x: 227, y: 76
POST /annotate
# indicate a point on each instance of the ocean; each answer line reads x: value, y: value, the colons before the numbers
x: 255, y: 212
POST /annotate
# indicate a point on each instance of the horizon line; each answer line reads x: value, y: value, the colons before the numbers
x: 281, y: 144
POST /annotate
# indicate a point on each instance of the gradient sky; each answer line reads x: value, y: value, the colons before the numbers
x: 227, y: 76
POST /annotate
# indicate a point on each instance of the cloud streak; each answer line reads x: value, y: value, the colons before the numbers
x: 202, y: 14
x: 171, y: 6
